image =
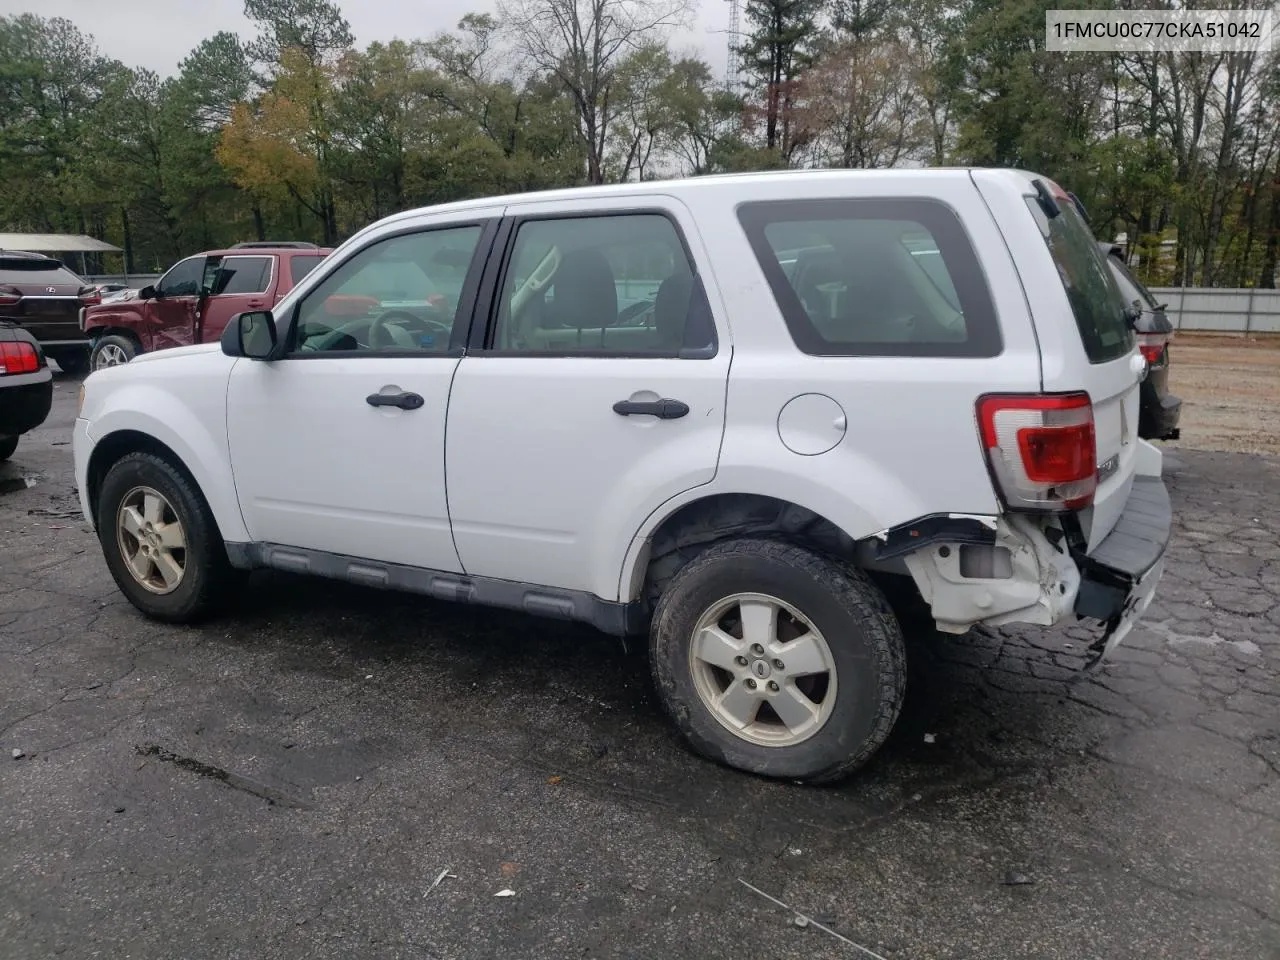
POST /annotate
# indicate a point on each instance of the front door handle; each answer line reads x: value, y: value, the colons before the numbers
x: 662, y: 409
x: 405, y: 401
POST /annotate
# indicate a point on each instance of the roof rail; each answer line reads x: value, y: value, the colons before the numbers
x: 274, y: 244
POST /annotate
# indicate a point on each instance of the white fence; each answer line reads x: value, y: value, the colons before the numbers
x: 1223, y: 309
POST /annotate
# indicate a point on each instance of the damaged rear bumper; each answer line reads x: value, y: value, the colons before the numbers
x: 1118, y: 577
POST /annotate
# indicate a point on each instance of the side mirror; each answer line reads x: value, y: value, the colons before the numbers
x: 147, y: 293
x: 251, y: 335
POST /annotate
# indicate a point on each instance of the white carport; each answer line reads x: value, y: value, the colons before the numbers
x: 56, y: 243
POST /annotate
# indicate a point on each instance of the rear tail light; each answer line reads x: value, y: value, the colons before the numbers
x: 1041, y: 449
x: 18, y: 358
x: 9, y: 296
x: 90, y: 296
x: 1153, y: 346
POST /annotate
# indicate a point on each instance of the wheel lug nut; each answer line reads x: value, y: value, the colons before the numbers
x: 773, y: 686
x: 740, y: 661
x: 751, y: 684
x: 757, y: 649
x: 778, y: 665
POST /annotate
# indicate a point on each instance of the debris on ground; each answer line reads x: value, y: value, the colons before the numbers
x: 18, y: 754
x: 1015, y: 879
x: 930, y: 738
x: 554, y: 780
x: 509, y: 870
x: 798, y: 917
x: 505, y: 893
x: 439, y: 877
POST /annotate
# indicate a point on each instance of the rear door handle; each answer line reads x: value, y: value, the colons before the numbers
x: 405, y: 401
x: 662, y: 409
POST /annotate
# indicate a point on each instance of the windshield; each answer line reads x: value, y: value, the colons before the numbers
x: 1131, y: 287
x: 1096, y: 300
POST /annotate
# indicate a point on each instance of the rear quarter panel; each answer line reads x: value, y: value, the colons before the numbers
x: 910, y: 446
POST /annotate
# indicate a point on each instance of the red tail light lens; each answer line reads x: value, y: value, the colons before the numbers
x: 1041, y: 448
x: 18, y: 358
x: 9, y: 296
x: 1152, y: 346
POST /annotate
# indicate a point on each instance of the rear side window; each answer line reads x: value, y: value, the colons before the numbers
x: 874, y: 277
x: 243, y: 275
x: 1096, y: 300
x: 23, y: 270
x: 301, y: 265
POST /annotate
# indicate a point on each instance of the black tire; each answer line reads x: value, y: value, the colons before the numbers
x: 7, y: 446
x: 73, y: 362
x: 840, y: 601
x: 208, y: 576
x: 127, y: 345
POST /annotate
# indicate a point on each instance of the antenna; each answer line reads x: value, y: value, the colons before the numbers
x: 733, y: 71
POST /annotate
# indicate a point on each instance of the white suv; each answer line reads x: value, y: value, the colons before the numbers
x: 725, y: 411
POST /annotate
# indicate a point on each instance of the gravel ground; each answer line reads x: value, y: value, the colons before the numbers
x: 1230, y: 389
x: 290, y: 780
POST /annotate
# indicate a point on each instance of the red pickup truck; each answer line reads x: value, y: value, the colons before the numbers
x: 193, y: 302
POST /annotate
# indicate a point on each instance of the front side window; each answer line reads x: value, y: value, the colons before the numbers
x: 616, y: 285
x: 874, y: 277
x: 399, y: 294
x: 241, y: 275
x: 183, y: 279
x: 1096, y: 301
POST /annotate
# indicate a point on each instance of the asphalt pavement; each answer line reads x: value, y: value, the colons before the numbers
x: 329, y: 771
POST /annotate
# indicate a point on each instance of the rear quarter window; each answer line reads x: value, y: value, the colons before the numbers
x: 874, y: 277
x: 1096, y: 301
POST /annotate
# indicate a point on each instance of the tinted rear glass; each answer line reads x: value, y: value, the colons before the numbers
x: 21, y: 270
x: 302, y: 265
x: 1096, y: 300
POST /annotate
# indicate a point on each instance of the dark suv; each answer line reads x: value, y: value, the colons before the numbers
x: 1158, y: 409
x: 41, y: 295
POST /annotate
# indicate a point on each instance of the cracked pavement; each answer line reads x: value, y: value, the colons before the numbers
x: 290, y: 779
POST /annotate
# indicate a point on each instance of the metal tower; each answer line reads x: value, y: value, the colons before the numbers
x: 733, y: 70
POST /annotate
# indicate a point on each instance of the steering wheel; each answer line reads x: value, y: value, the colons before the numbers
x: 380, y: 332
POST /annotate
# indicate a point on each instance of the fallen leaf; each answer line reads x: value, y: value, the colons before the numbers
x: 554, y: 780
x: 509, y: 870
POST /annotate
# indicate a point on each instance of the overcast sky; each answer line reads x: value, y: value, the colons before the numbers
x: 157, y: 34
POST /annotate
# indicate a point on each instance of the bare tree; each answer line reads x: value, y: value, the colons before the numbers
x: 864, y: 105
x: 581, y: 43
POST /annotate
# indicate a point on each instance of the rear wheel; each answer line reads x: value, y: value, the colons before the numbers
x: 7, y: 446
x: 113, y: 350
x: 779, y: 661
x: 73, y: 362
x: 160, y: 541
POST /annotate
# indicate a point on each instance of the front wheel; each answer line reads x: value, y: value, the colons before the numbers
x: 160, y: 541
x: 778, y: 661
x: 113, y: 350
